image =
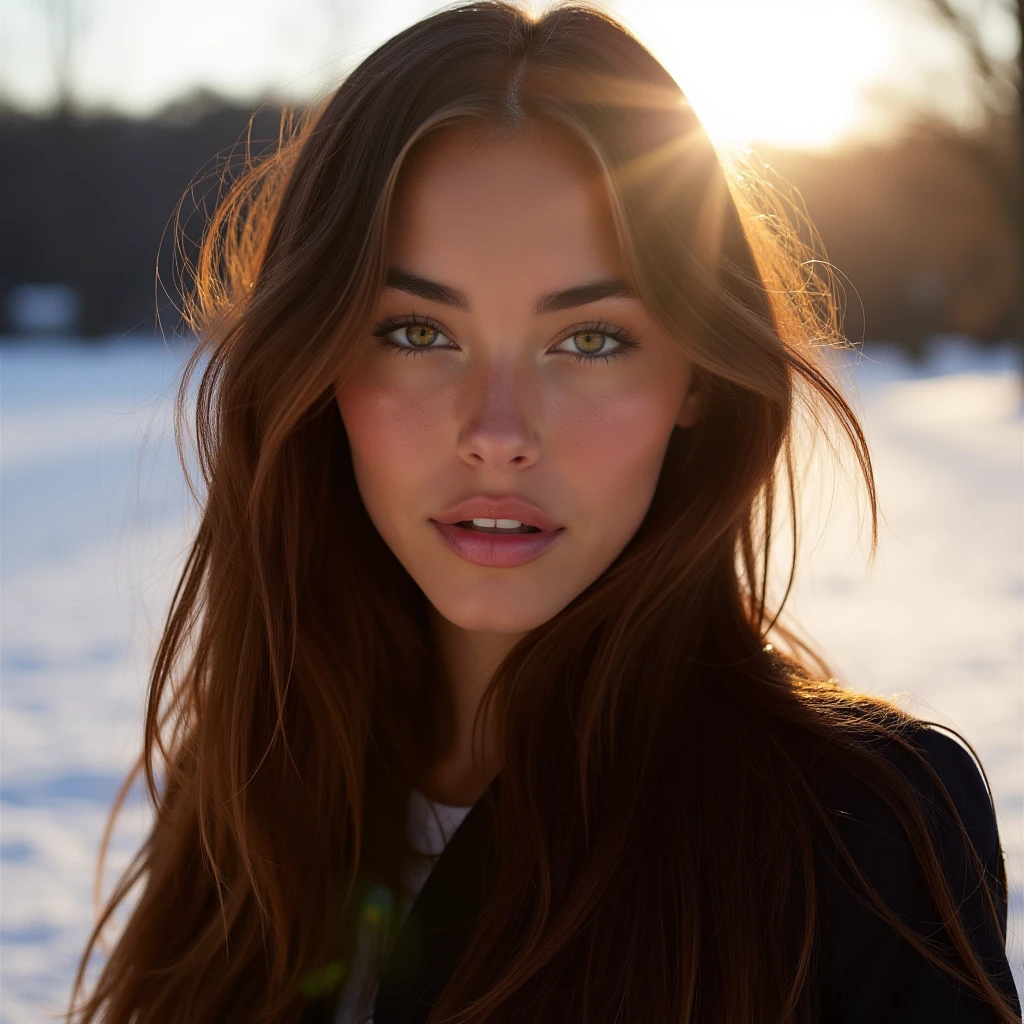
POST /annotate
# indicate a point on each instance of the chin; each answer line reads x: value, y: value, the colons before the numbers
x: 494, y: 616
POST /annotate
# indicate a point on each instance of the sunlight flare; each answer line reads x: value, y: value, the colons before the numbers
x: 793, y: 73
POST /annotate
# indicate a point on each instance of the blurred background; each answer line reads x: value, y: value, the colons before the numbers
x: 897, y: 122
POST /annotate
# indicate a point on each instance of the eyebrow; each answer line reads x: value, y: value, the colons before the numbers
x: 553, y: 302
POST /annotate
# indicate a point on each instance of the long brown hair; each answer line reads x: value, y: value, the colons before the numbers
x: 654, y: 745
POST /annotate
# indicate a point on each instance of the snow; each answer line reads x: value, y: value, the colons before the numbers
x: 94, y: 523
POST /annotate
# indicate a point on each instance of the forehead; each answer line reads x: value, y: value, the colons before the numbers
x: 503, y: 218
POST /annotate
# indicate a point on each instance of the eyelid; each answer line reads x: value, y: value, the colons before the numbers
x: 391, y: 324
x: 622, y: 335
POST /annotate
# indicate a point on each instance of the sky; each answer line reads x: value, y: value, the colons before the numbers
x: 791, y: 72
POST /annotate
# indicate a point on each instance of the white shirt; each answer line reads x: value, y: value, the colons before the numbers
x: 429, y: 826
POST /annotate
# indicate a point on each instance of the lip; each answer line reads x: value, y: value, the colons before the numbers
x: 494, y: 550
x: 487, y: 506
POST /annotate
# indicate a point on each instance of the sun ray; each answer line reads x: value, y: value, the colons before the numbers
x: 771, y: 72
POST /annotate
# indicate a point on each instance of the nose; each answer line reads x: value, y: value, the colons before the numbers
x: 498, y: 432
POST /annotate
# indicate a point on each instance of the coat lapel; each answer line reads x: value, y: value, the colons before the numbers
x: 437, y: 929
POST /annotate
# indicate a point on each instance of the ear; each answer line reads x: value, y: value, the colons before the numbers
x: 694, y: 404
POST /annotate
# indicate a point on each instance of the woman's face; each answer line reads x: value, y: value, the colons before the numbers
x: 509, y: 377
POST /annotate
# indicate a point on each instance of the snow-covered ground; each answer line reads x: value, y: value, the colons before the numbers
x: 94, y: 521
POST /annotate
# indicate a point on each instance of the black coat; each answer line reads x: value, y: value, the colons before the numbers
x: 868, y: 973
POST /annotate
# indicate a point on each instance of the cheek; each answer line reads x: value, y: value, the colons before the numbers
x: 613, y: 448
x: 395, y: 436
x: 602, y: 443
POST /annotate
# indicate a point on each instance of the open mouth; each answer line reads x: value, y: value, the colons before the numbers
x: 492, y: 526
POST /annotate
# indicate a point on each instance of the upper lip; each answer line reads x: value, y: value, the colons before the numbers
x: 496, y: 506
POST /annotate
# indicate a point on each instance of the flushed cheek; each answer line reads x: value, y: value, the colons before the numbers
x: 603, y: 446
x: 612, y: 454
x: 611, y: 466
x: 397, y: 438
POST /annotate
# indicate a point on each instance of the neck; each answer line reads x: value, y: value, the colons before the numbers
x: 461, y: 774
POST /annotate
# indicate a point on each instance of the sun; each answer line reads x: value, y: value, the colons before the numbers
x: 790, y: 73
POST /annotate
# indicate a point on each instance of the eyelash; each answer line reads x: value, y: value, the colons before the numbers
x: 626, y: 341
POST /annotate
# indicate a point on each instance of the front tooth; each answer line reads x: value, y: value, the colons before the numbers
x: 508, y: 524
x: 487, y: 522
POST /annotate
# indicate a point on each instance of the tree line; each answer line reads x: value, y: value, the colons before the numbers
x: 920, y: 230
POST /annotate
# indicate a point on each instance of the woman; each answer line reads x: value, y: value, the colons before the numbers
x: 501, y: 375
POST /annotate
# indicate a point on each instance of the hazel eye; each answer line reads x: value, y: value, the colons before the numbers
x: 411, y: 336
x: 598, y: 342
x: 590, y: 343
x: 420, y: 335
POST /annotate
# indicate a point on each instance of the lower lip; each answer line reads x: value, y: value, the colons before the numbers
x: 498, y: 551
